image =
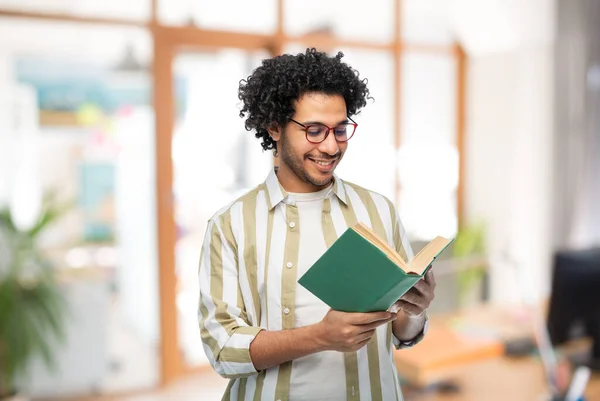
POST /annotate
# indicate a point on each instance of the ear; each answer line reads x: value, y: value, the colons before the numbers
x: 275, y: 132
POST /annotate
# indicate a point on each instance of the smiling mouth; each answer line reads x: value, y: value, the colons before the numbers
x: 324, y: 163
x: 324, y: 166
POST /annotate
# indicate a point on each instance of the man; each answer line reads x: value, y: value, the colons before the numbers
x: 270, y: 336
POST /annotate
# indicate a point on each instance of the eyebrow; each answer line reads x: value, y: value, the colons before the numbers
x: 345, y: 120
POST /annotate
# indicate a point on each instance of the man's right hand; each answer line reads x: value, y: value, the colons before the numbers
x: 338, y: 331
x: 346, y: 332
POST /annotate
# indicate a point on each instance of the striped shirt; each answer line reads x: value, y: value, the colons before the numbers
x: 248, y: 283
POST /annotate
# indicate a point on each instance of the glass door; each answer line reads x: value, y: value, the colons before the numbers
x: 215, y: 160
x: 76, y: 124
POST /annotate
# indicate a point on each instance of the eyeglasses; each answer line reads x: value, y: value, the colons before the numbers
x: 317, y: 133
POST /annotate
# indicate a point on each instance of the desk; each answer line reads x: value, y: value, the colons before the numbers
x: 501, y: 379
x: 496, y: 378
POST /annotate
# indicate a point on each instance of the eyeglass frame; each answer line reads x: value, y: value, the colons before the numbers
x: 329, y: 129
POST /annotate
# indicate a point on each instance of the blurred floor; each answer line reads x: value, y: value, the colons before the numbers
x: 205, y: 386
x: 133, y: 359
x: 499, y: 379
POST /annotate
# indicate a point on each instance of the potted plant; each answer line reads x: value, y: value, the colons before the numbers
x: 469, y: 250
x: 32, y: 307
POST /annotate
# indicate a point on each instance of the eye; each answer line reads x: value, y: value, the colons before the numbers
x: 315, y: 130
x: 341, y: 130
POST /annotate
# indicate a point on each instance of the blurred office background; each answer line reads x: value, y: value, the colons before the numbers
x: 485, y: 125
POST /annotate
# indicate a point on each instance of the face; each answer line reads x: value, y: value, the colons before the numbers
x: 306, y: 166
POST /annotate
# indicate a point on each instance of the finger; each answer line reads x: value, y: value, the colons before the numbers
x: 366, y: 336
x: 414, y: 297
x: 430, y: 277
x: 422, y: 287
x: 367, y: 318
x: 371, y: 326
x: 362, y: 343
x: 411, y: 309
x: 420, y: 300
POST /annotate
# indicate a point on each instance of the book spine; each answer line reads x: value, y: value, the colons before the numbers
x: 394, y: 294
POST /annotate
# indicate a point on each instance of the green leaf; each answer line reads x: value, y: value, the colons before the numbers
x: 6, y: 220
x: 33, y: 309
x: 51, y: 211
x: 470, y: 242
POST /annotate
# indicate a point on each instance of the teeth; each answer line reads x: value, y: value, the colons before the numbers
x: 323, y: 163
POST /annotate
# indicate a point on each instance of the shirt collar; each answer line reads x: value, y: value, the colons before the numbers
x: 276, y: 193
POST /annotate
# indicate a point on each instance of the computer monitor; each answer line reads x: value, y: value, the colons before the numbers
x: 574, y: 309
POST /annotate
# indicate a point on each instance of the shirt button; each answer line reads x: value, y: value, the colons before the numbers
x: 292, y: 224
x: 289, y: 265
x: 286, y: 311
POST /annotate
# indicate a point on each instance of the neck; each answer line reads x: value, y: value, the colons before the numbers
x: 292, y: 183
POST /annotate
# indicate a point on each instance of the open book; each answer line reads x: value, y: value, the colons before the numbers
x: 361, y: 272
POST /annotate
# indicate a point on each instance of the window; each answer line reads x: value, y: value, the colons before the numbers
x: 74, y: 122
x: 135, y: 10
x: 427, y: 22
x: 345, y: 19
x: 215, y: 160
x: 370, y: 158
x: 428, y: 157
x: 256, y: 16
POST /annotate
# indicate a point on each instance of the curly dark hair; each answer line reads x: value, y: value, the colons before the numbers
x: 268, y: 94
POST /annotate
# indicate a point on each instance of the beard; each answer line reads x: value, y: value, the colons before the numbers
x: 296, y: 164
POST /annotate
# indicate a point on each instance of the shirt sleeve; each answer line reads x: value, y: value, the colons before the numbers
x: 401, y: 242
x: 224, y: 328
x: 407, y: 344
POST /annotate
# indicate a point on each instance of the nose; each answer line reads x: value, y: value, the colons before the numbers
x: 329, y: 145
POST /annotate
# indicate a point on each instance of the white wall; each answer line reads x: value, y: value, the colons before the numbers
x: 509, y: 161
x: 137, y: 272
x: 509, y: 150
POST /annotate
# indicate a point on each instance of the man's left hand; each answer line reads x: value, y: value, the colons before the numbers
x: 416, y: 300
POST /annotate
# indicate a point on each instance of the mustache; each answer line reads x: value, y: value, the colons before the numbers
x: 323, y: 156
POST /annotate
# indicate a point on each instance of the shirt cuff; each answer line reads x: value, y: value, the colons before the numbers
x: 407, y: 344
x: 235, y: 359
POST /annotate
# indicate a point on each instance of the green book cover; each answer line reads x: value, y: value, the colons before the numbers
x: 355, y: 275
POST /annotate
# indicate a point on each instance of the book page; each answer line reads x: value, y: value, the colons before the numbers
x: 373, y: 238
x: 424, y: 258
